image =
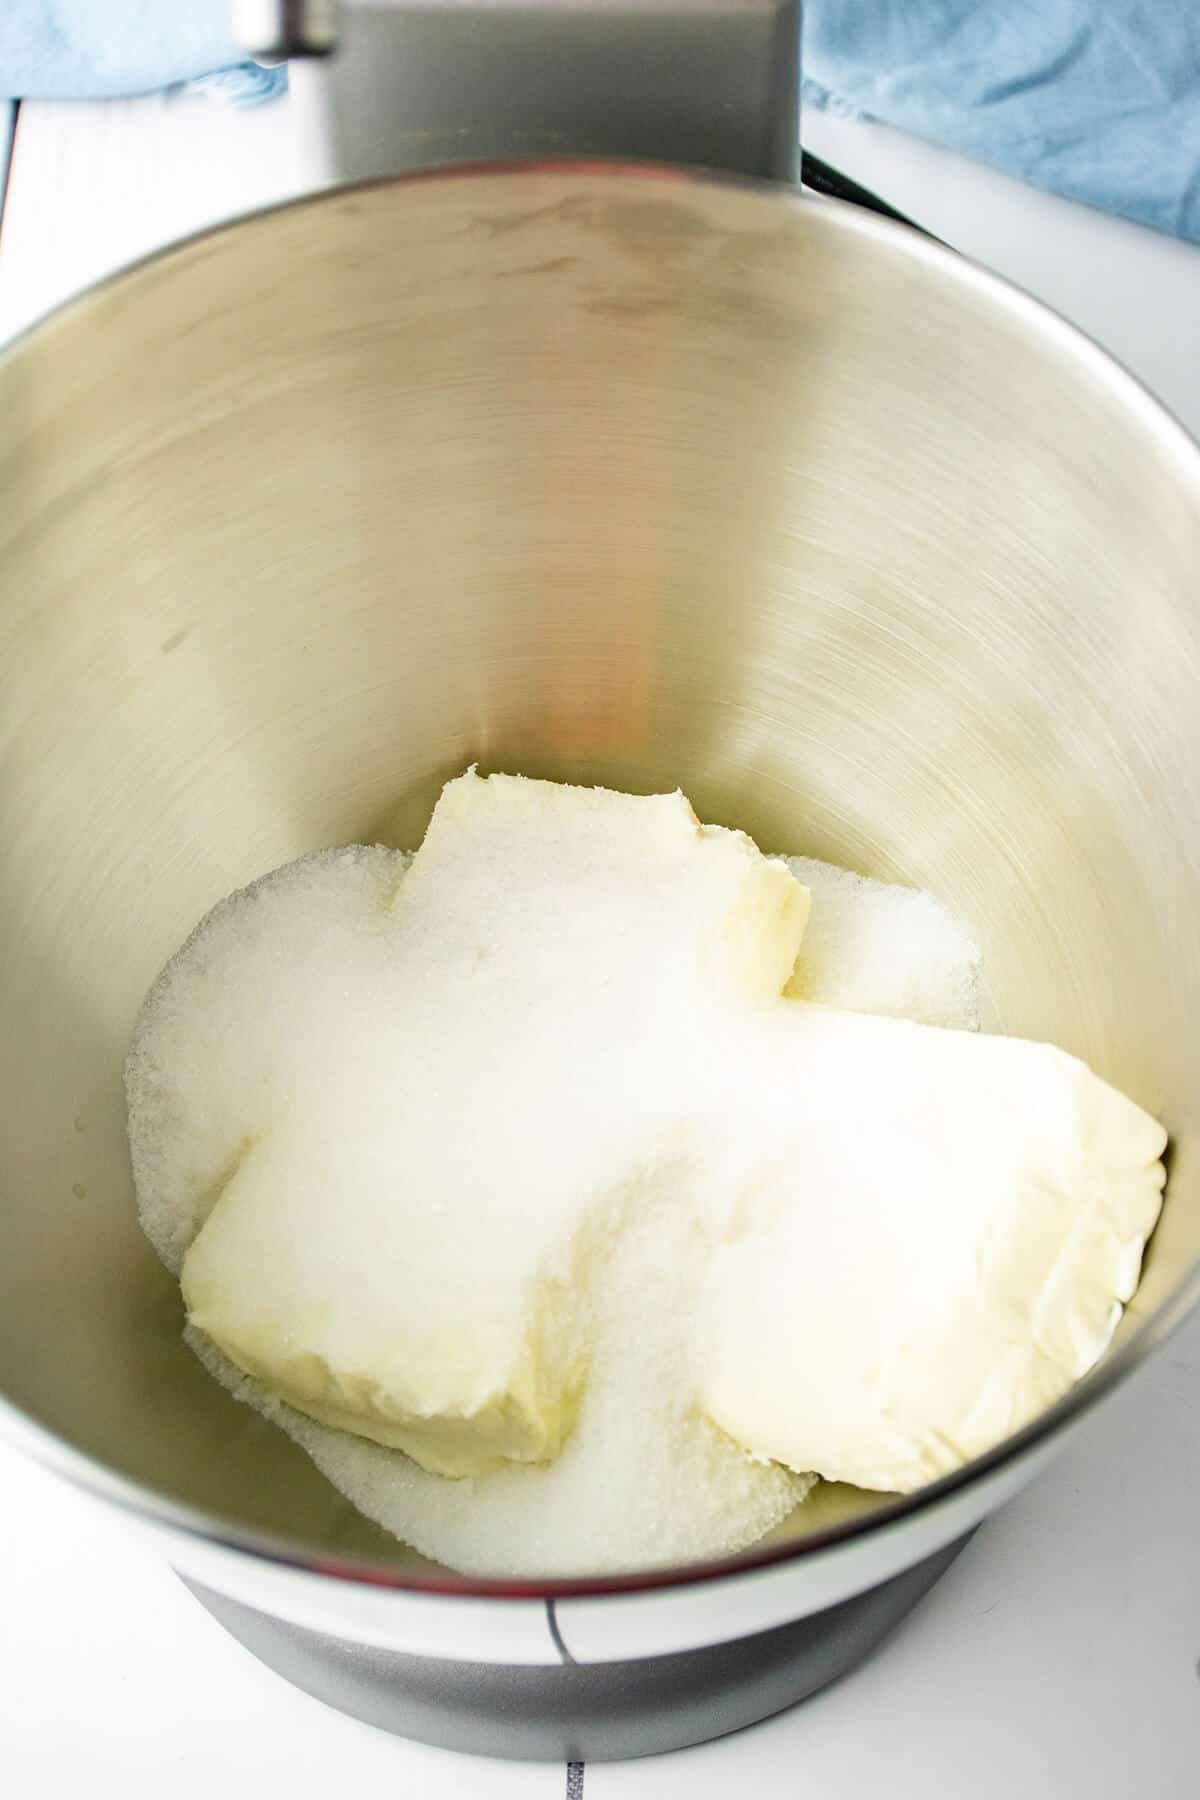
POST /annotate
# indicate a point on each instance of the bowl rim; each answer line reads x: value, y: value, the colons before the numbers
x: 156, y: 1508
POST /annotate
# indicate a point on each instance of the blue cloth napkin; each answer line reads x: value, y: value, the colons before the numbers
x: 97, y: 49
x: 1096, y: 99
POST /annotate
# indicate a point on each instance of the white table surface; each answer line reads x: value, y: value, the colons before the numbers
x: 1059, y: 1657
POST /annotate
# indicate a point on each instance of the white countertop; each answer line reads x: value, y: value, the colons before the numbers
x: 1061, y: 1654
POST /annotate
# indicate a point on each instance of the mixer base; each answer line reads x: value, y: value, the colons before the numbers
x: 593, y: 1712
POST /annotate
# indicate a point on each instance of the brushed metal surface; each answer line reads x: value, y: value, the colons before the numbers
x: 615, y: 475
x: 708, y: 83
x: 273, y: 30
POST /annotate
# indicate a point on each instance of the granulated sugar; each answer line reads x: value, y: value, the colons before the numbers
x: 643, y: 1478
x: 261, y: 998
x: 872, y: 947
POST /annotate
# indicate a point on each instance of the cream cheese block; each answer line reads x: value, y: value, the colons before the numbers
x: 467, y: 1093
x: 937, y: 1247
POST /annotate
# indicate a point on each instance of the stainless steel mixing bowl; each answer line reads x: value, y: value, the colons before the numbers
x: 600, y: 472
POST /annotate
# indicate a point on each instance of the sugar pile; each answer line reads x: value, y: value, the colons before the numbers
x: 872, y: 947
x: 643, y: 1479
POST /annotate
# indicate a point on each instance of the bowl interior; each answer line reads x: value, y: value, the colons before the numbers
x: 609, y: 475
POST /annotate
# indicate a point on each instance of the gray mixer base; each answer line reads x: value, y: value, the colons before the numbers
x: 593, y: 1712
